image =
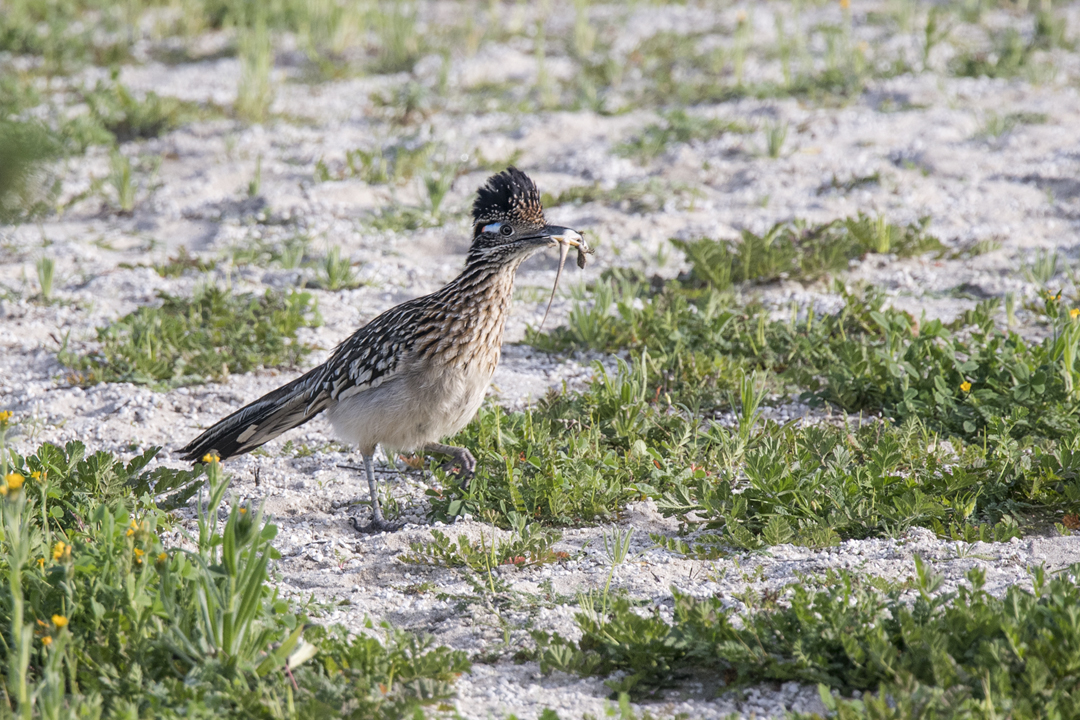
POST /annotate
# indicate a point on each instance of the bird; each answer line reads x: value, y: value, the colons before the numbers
x: 417, y: 373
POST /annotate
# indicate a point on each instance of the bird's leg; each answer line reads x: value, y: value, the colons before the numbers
x: 378, y: 522
x: 462, y: 458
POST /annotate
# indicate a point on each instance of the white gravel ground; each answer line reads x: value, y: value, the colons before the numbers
x: 1020, y: 190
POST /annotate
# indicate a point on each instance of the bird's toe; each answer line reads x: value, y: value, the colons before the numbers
x: 377, y: 525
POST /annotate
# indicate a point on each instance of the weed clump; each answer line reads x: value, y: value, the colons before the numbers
x: 676, y: 126
x: 126, y: 118
x: 948, y: 654
x: 206, y: 337
x: 100, y: 613
x: 26, y: 191
x: 799, y: 250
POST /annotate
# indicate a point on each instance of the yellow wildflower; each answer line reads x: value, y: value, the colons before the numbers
x: 46, y: 641
x: 59, y: 621
x: 965, y: 386
x: 1074, y: 313
x: 41, y: 562
x: 211, y: 457
x: 14, y: 480
x: 162, y: 557
x: 60, y: 549
x: 139, y: 553
x: 37, y: 476
x: 845, y: 4
x: 5, y: 417
x: 243, y: 510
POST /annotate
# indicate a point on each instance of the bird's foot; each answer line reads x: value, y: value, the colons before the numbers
x: 377, y: 525
x: 456, y: 467
x: 462, y: 462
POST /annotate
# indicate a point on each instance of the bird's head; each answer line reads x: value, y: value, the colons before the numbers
x: 508, y: 221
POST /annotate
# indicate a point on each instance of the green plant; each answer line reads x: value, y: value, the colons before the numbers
x: 27, y: 192
x: 400, y: 44
x: 336, y: 272
x: 775, y: 135
x: 853, y: 183
x: 954, y: 654
x: 935, y: 31
x: 393, y: 164
x: 1009, y: 55
x: 1006, y: 405
x: 995, y: 125
x: 616, y: 547
x: 410, y: 101
x: 437, y: 185
x: 255, y: 184
x: 675, y: 126
x: 124, y: 117
x: 528, y: 545
x: 802, y: 251
x: 122, y: 182
x: 98, y: 612
x: 255, y: 92
x: 180, y: 263
x: 403, y: 218
x: 45, y: 266
x: 186, y: 341
x: 1043, y: 268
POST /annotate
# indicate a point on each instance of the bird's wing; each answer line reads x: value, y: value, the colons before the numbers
x: 374, y: 353
x: 370, y: 357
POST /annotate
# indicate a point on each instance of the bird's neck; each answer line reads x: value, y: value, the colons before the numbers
x: 471, y: 315
x: 489, y: 284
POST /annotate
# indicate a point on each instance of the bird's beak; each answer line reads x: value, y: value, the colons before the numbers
x: 566, y: 239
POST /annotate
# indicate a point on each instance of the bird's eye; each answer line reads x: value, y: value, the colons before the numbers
x: 507, y: 230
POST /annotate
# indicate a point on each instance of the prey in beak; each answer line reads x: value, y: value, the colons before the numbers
x: 566, y: 239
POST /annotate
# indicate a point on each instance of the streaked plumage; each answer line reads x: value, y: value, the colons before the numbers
x: 419, y: 371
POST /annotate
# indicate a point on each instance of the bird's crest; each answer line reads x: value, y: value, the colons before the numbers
x: 510, y: 196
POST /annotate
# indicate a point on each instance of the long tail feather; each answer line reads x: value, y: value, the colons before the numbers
x: 263, y: 420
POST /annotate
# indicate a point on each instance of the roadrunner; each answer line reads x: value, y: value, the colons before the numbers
x: 417, y: 373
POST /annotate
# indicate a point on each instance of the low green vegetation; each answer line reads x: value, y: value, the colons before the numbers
x: 578, y: 458
x: 1010, y: 53
x: 963, y: 654
x: 184, y: 341
x: 961, y: 427
x: 27, y: 192
x: 852, y: 183
x: 117, y: 112
x: 393, y: 164
x: 46, y: 267
x: 802, y: 251
x: 100, y: 619
x: 676, y: 126
x: 528, y: 545
x: 995, y: 125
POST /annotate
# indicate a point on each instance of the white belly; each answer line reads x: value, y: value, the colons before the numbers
x: 412, y: 408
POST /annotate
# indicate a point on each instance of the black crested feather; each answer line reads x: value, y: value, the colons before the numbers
x: 511, y: 196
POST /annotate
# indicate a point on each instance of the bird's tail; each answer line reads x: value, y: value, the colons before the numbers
x: 263, y: 420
